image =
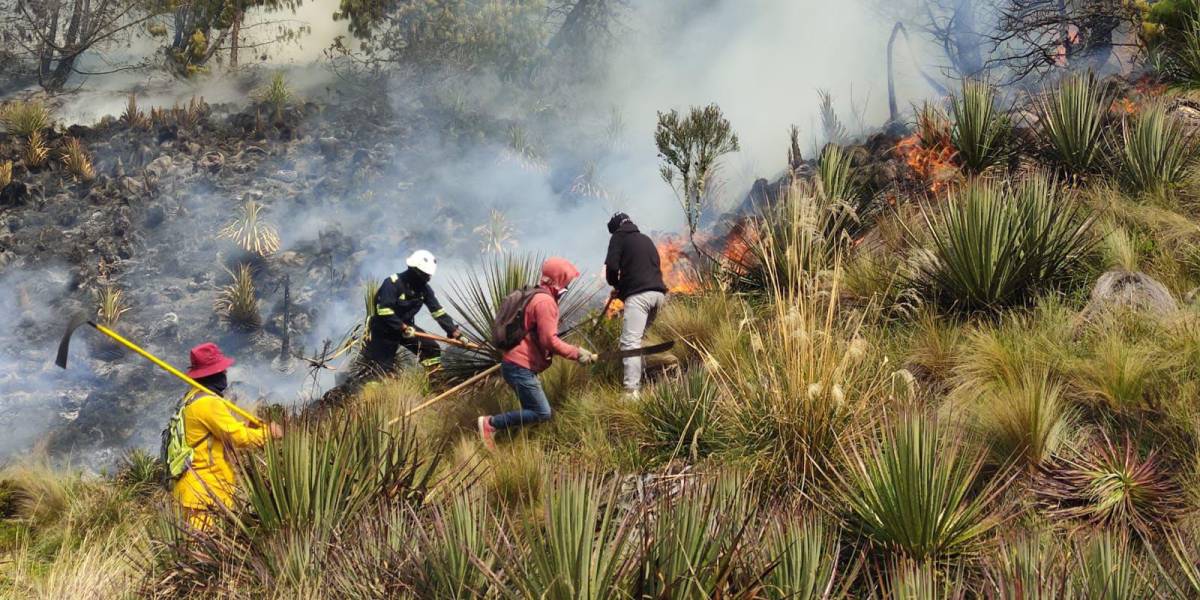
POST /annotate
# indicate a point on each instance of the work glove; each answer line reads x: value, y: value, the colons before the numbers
x: 587, y: 357
x: 408, y: 331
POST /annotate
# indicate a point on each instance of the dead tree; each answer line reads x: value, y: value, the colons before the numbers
x: 1035, y: 37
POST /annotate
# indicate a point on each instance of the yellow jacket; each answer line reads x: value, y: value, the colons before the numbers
x: 212, y: 430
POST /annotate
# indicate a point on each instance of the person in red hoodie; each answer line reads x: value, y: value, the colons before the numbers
x: 521, y: 365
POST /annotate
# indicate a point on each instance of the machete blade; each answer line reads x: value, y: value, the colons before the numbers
x: 655, y: 349
x: 64, y: 345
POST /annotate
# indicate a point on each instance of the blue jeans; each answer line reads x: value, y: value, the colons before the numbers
x: 535, y: 408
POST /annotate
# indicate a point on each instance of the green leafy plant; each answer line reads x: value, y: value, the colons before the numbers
x: 803, y: 561
x: 680, y: 416
x: 981, y: 132
x: 1111, y: 486
x: 456, y: 552
x: 836, y: 173
x: 1106, y: 569
x: 24, y: 118
x: 1156, y: 152
x: 918, y: 490
x: 237, y: 303
x: 690, y: 148
x: 140, y: 471
x: 276, y: 94
x: 1072, y: 123
x: 994, y: 247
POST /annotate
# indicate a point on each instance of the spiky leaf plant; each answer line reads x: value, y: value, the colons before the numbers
x: 922, y: 580
x: 1114, y: 486
x: 249, y: 231
x: 802, y: 561
x: 36, y: 152
x: 680, y: 416
x: 981, y: 132
x: 1106, y: 569
x: 497, y: 235
x: 455, y: 546
x: 523, y: 150
x: 1156, y: 152
x: 75, y: 158
x: 831, y: 126
x: 1029, y: 567
x: 276, y: 94
x: 324, y: 472
x: 1181, y: 570
x: 133, y: 117
x: 995, y: 247
x: 1024, y: 421
x: 6, y: 168
x: 1182, y: 59
x: 917, y: 489
x: 579, y: 550
x: 139, y: 471
x: 695, y: 542
x: 1072, y: 123
x: 110, y: 305
x: 237, y: 303
x: 836, y: 173
x: 24, y: 118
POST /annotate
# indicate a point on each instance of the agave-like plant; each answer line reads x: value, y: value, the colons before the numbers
x: 25, y: 118
x: 111, y: 305
x: 695, y: 542
x: 134, y: 117
x: 1182, y: 573
x: 1111, y: 486
x: 994, y: 247
x: 1029, y: 567
x: 455, y: 546
x: 981, y: 132
x: 1156, y: 152
x: 323, y: 473
x: 36, y: 152
x: 1183, y: 55
x: 249, y: 231
x: 836, y: 173
x: 276, y: 94
x: 803, y: 561
x: 1072, y: 123
x: 579, y: 551
x: 77, y: 161
x: 1106, y: 569
x: 237, y: 303
x: 922, y: 580
x: 497, y: 235
x: 918, y: 490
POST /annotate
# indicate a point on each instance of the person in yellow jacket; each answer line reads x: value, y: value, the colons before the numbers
x: 212, y: 431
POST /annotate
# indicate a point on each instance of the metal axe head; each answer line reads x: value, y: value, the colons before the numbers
x: 65, y: 344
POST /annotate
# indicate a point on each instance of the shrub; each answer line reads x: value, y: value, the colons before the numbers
x: 1156, y: 152
x: 249, y: 231
x: 237, y: 303
x: 77, y: 161
x: 578, y: 550
x: 690, y: 148
x: 25, y: 118
x: 917, y: 490
x: 680, y: 416
x: 1024, y: 421
x: 981, y: 132
x: 1071, y: 123
x: 1115, y: 487
x: 994, y: 247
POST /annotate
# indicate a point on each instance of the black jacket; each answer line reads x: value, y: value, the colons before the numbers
x: 632, y: 264
x: 400, y: 298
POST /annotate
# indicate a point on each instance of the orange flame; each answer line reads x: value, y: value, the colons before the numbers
x: 614, y: 308
x: 678, y: 272
x: 931, y: 165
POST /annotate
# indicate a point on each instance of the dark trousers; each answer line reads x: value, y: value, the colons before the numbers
x: 380, y: 352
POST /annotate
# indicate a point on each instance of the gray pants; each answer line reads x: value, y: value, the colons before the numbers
x: 640, y: 311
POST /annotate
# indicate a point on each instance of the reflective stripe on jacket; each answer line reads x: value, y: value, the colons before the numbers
x: 399, y: 299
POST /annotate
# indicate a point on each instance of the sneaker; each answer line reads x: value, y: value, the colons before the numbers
x: 487, y: 433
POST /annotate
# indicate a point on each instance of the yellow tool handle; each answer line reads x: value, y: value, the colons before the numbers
x: 176, y: 372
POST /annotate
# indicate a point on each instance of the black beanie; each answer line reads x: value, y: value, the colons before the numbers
x: 616, y: 221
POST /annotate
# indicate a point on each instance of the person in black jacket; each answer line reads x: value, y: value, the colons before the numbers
x: 632, y: 268
x: 392, y: 324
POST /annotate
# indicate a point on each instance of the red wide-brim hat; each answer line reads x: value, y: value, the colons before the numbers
x: 207, y: 359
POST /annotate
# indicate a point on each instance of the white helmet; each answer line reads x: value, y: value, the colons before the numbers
x: 423, y: 261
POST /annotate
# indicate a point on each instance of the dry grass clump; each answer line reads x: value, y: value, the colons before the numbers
x: 111, y: 304
x: 133, y: 117
x: 250, y: 232
x: 24, y: 118
x: 36, y: 152
x: 237, y: 303
x: 1024, y: 422
x: 186, y: 116
x: 6, y: 168
x: 77, y: 161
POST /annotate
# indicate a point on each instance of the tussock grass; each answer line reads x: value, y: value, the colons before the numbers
x: 237, y: 303
x: 802, y: 561
x: 110, y: 305
x: 24, y: 118
x: 1024, y: 422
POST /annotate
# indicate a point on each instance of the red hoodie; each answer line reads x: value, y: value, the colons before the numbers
x: 541, y: 320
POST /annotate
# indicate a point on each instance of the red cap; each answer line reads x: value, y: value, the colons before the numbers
x: 207, y: 360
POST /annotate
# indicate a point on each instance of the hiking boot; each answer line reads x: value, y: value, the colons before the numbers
x: 487, y: 433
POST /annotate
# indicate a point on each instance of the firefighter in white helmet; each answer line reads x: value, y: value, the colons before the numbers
x: 393, y: 313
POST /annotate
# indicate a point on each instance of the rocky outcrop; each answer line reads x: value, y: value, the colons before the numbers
x: 1130, y: 290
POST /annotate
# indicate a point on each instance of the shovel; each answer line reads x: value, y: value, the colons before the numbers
x: 80, y: 319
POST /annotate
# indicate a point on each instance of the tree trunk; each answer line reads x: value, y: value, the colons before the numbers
x: 236, y: 33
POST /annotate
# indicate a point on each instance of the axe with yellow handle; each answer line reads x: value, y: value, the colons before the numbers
x: 81, y: 319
